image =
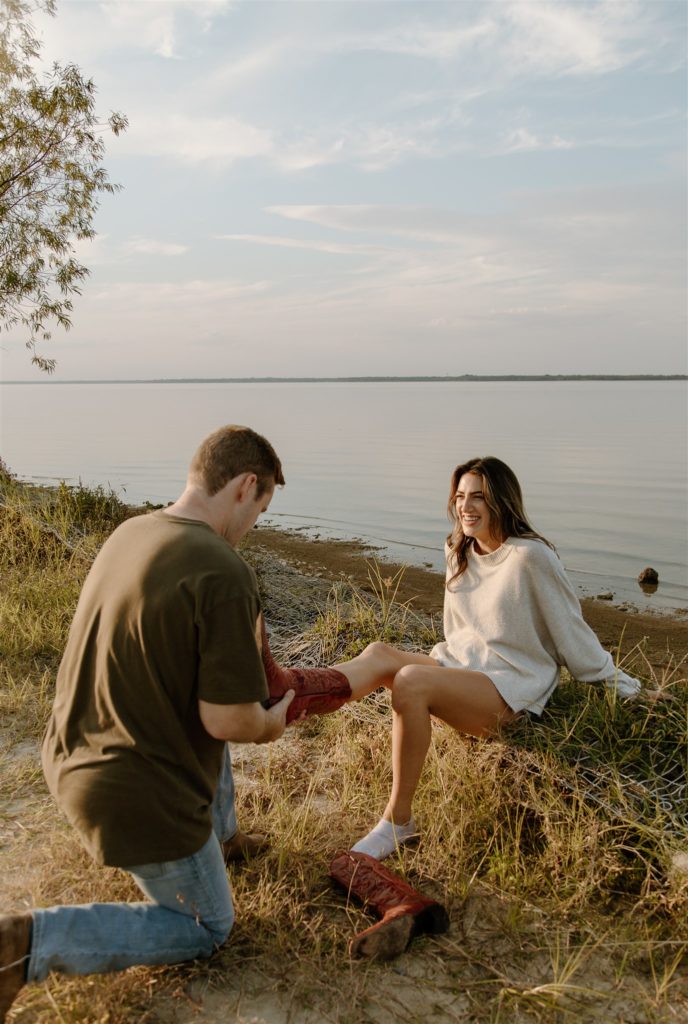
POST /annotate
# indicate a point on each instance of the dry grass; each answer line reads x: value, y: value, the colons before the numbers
x: 559, y: 849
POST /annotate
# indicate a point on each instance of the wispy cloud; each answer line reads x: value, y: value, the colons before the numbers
x: 199, y: 139
x: 419, y: 39
x: 160, y: 28
x: 516, y: 36
x: 249, y: 91
x: 419, y: 223
x: 259, y: 62
x: 153, y: 247
x: 104, y: 249
x: 282, y: 242
x: 564, y: 38
x: 532, y: 255
x: 190, y: 295
x: 521, y: 139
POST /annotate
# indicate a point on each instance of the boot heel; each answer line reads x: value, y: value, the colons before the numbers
x: 404, y: 911
x: 385, y: 940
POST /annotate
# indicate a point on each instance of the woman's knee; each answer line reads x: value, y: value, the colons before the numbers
x: 382, y: 655
x: 377, y: 649
x: 408, y: 687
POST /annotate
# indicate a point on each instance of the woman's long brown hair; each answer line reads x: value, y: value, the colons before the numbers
x: 503, y: 497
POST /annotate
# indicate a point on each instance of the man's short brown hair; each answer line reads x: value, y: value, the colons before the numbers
x: 230, y: 451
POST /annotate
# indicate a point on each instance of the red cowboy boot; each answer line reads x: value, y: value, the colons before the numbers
x: 404, y: 911
x: 318, y: 690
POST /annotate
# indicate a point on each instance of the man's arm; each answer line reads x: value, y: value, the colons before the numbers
x: 245, y: 723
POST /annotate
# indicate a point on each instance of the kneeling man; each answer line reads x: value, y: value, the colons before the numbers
x: 162, y: 667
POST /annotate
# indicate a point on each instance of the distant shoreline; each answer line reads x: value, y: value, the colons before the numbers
x: 466, y: 378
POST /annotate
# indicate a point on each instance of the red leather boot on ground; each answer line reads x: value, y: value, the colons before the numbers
x: 404, y: 911
x: 318, y: 690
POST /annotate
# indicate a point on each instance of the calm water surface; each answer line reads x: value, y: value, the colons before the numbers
x: 603, y: 465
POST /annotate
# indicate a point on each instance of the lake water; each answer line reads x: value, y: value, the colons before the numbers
x: 603, y: 465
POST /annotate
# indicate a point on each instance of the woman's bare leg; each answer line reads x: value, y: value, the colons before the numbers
x: 468, y: 701
x: 377, y: 666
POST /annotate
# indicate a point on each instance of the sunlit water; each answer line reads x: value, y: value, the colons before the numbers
x: 603, y: 465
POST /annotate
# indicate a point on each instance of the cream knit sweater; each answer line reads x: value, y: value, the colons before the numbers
x: 514, y: 616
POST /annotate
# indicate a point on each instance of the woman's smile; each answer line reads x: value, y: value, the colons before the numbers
x: 474, y: 514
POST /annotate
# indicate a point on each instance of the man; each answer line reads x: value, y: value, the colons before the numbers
x: 161, y: 669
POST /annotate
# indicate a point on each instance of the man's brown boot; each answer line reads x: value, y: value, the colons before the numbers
x: 404, y: 911
x: 318, y: 690
x: 15, y: 945
x: 243, y: 846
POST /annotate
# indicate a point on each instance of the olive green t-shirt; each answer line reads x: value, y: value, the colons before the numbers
x: 166, y: 617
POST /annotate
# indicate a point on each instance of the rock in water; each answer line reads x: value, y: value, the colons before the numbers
x: 649, y: 575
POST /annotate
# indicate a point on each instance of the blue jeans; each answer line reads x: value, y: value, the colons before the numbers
x: 190, y: 911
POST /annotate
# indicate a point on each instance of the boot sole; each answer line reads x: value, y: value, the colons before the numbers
x: 385, y: 940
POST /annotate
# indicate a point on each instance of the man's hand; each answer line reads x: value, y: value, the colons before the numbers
x: 245, y: 723
x: 276, y: 718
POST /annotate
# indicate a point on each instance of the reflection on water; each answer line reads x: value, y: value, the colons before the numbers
x: 603, y: 464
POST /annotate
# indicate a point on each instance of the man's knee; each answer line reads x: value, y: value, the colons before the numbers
x: 215, y: 932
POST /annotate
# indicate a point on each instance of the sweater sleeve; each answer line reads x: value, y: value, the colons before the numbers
x: 575, y: 643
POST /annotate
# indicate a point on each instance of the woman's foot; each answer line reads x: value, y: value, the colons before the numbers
x: 386, y: 838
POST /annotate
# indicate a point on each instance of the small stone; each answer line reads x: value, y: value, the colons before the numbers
x: 608, y: 596
x: 649, y: 575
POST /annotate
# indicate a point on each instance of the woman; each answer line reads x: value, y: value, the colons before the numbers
x: 511, y: 618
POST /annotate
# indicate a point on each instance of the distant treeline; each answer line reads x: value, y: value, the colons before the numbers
x: 447, y: 378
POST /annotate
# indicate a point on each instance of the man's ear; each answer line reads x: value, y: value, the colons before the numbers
x: 247, y: 487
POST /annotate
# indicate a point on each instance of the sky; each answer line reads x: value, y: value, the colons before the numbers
x: 395, y: 188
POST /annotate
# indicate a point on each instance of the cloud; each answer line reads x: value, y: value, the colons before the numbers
x: 583, y: 269
x: 258, y: 62
x: 103, y: 249
x: 543, y: 254
x: 250, y: 86
x: 152, y: 247
x: 521, y: 140
x: 222, y: 140
x: 371, y: 147
x: 515, y: 36
x: 159, y: 27
x: 93, y: 252
x: 225, y: 140
x: 560, y: 39
x: 192, y: 295
x: 292, y: 243
x: 415, y: 223
x: 416, y: 39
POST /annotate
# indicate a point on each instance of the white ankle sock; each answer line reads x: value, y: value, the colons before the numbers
x: 385, y: 838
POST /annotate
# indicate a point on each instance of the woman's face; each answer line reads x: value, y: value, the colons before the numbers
x: 473, y: 513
